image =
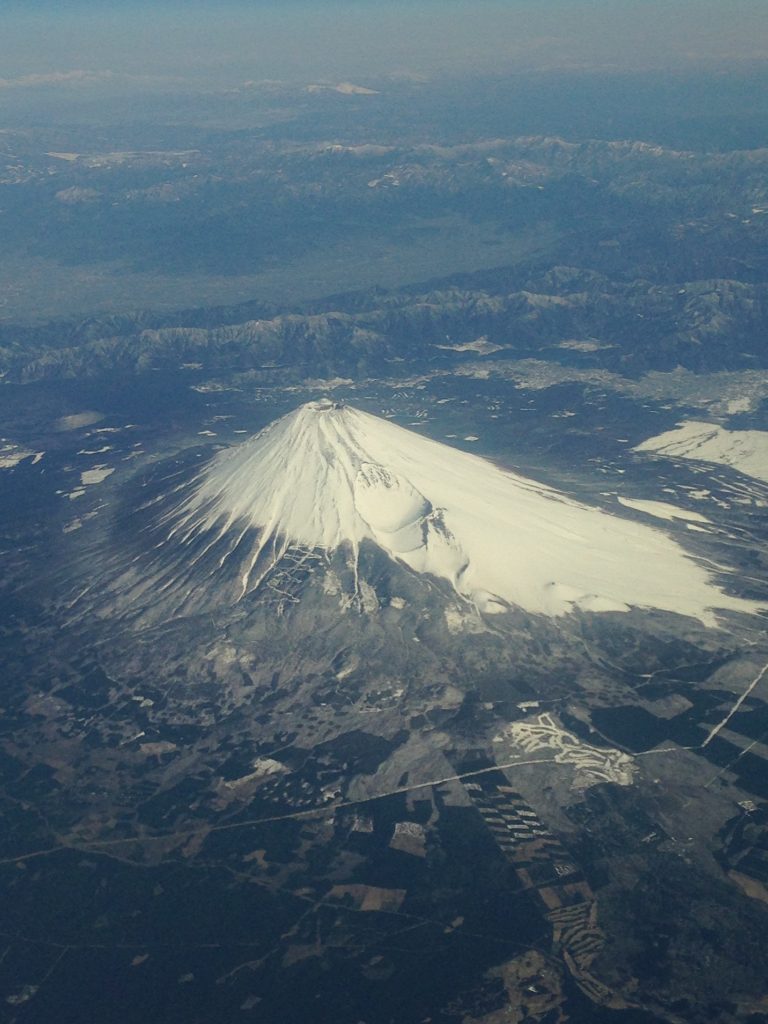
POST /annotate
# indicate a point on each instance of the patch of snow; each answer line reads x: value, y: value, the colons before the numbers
x: 329, y: 384
x: 583, y: 345
x: 463, y: 620
x: 350, y: 89
x: 345, y: 88
x: 77, y: 420
x: 331, y: 584
x: 736, y: 405
x: 330, y: 477
x: 663, y: 510
x: 743, y: 450
x: 95, y: 475
x: 592, y: 765
x: 12, y: 456
x: 481, y: 346
x: 268, y: 766
x: 368, y: 599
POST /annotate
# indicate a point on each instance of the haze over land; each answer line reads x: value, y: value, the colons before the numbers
x: 299, y: 39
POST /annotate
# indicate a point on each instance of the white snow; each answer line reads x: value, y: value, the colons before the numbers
x: 592, y: 765
x: 345, y: 88
x: 268, y: 766
x: 95, y: 475
x: 10, y: 456
x: 662, y: 510
x: 328, y: 476
x: 481, y: 346
x: 744, y: 450
x: 736, y: 405
x: 78, y: 420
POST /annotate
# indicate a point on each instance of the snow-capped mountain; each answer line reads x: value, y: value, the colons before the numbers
x: 329, y: 479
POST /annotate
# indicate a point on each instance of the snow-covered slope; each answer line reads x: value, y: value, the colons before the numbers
x: 662, y: 510
x: 331, y: 477
x: 744, y: 450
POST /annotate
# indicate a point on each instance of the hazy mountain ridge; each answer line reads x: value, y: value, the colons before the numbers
x: 264, y: 208
x: 656, y: 253
x: 633, y: 327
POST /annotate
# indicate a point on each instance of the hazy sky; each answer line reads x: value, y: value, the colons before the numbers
x: 306, y: 39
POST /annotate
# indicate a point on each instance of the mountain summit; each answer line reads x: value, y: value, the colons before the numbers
x: 328, y: 478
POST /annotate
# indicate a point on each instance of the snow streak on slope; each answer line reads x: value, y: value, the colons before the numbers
x: 331, y: 477
x: 744, y: 450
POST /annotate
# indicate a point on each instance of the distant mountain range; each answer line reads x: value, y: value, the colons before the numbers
x: 563, y: 314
